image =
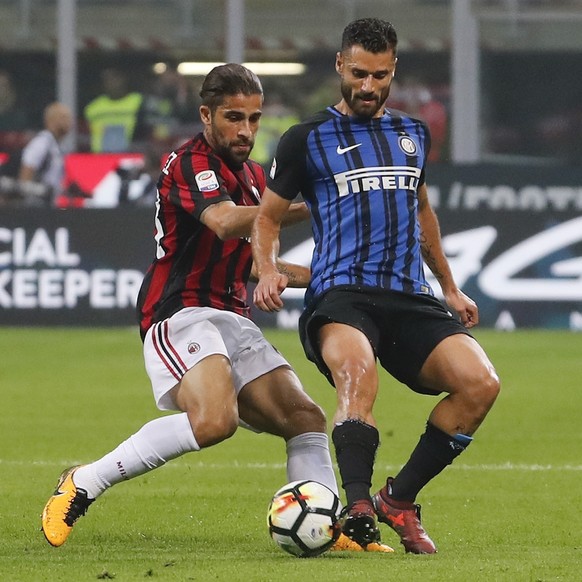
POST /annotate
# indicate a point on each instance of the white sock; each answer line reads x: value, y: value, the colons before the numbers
x: 308, y: 458
x: 154, y: 444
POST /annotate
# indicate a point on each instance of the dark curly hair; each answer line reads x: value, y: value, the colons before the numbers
x: 226, y: 80
x: 373, y: 34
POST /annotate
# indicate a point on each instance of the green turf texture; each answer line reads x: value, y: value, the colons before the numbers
x: 510, y: 508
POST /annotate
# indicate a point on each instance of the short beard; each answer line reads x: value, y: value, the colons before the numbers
x: 231, y: 160
x: 352, y: 101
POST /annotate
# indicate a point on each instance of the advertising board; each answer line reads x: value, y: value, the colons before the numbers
x: 513, y: 237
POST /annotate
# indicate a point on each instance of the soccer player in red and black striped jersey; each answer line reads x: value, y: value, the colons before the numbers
x: 204, y: 356
x: 361, y: 169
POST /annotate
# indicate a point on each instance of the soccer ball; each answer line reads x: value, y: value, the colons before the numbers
x: 303, y: 518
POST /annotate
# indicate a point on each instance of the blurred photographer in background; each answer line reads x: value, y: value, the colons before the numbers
x: 41, y: 161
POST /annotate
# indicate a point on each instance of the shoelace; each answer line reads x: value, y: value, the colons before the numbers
x: 77, y: 508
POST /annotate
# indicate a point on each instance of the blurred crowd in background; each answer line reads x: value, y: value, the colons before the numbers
x: 157, y: 112
x: 127, y: 107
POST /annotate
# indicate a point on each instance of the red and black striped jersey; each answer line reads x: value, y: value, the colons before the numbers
x: 193, y: 267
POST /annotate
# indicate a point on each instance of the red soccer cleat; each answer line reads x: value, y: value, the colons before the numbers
x: 404, y: 518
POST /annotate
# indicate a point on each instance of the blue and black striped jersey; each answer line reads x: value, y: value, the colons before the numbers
x: 359, y: 178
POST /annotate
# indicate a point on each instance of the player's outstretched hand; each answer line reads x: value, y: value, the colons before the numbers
x: 267, y: 293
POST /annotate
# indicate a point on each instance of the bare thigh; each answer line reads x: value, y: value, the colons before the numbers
x: 459, y: 366
x: 207, y: 394
x: 277, y: 404
x: 455, y: 363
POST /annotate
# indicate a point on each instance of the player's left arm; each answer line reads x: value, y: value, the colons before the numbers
x: 434, y: 257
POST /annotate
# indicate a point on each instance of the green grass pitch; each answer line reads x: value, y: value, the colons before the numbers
x: 509, y: 509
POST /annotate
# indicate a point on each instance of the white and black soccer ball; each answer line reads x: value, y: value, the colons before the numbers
x: 303, y: 518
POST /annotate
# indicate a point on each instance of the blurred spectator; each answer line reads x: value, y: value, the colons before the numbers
x: 41, y: 162
x: 14, y: 122
x: 167, y: 104
x: 12, y: 115
x: 561, y: 134
x: 113, y: 116
x: 141, y: 188
x: 130, y: 181
x: 323, y: 96
x: 415, y: 98
x: 277, y: 117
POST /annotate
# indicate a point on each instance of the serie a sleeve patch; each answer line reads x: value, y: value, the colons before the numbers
x: 206, y: 181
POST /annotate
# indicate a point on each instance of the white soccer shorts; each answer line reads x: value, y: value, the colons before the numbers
x: 174, y: 345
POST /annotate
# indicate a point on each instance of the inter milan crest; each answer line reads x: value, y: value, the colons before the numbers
x: 407, y: 145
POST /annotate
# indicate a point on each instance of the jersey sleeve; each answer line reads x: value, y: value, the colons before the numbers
x: 35, y: 152
x: 288, y: 166
x: 427, y: 144
x: 193, y: 181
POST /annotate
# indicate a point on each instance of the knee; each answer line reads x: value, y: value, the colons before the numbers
x: 483, y: 390
x: 491, y: 386
x: 315, y: 418
x: 308, y: 418
x: 215, y: 426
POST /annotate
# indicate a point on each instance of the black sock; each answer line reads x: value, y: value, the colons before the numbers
x: 355, y: 445
x: 434, y: 451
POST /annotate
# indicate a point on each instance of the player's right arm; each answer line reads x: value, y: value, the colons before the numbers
x: 283, y: 185
x: 191, y: 182
x: 265, y: 244
x: 228, y: 220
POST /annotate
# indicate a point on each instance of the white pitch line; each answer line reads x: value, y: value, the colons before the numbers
x: 507, y: 466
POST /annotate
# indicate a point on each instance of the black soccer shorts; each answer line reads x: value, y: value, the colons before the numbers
x: 403, y: 328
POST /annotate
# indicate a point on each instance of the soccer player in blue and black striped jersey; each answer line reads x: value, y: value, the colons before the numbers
x: 361, y: 169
